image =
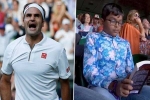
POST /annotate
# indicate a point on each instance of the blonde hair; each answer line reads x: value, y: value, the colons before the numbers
x: 55, y: 10
x: 130, y: 14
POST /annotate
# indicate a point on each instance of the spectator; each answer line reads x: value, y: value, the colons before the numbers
x: 15, y: 12
x: 66, y: 37
x: 78, y: 20
x: 19, y: 30
x: 133, y: 30
x: 5, y: 38
x: 146, y: 26
x: 59, y: 13
x: 108, y: 59
x: 145, y: 45
x: 95, y: 23
x: 45, y: 29
x: 85, y: 27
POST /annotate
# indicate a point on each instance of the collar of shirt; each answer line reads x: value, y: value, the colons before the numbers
x: 104, y: 34
x: 39, y: 43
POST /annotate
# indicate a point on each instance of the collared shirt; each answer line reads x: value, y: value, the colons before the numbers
x: 36, y: 70
x: 106, y: 58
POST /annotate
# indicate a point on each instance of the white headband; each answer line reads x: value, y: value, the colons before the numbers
x: 36, y: 6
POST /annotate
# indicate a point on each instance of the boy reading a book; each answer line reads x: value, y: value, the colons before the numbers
x: 108, y: 59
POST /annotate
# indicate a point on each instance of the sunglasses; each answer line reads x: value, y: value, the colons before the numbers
x: 137, y: 15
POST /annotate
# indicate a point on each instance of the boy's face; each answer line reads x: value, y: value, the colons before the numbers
x: 112, y: 24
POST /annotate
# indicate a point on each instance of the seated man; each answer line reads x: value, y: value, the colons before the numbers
x: 108, y: 60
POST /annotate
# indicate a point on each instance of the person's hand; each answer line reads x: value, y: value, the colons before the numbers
x: 124, y: 87
x: 138, y: 20
x: 144, y: 39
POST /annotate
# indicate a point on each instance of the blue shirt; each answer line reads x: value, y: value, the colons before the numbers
x: 106, y: 58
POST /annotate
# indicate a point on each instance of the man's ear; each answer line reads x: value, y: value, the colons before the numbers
x: 43, y: 23
x: 23, y: 21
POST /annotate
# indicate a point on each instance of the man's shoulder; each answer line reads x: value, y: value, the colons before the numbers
x: 53, y: 43
x: 15, y: 42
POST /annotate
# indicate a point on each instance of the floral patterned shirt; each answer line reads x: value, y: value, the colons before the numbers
x: 106, y: 58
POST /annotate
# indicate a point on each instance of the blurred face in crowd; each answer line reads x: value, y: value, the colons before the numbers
x: 59, y: 5
x: 146, y: 24
x: 45, y: 27
x: 2, y: 32
x: 66, y: 27
x: 33, y: 21
x: 49, y: 1
x: 96, y: 20
x: 87, y: 18
x: 134, y: 16
x: 38, y: 1
x: 112, y: 24
x: 15, y: 5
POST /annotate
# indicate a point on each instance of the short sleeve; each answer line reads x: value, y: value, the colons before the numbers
x: 63, y: 65
x: 6, y: 66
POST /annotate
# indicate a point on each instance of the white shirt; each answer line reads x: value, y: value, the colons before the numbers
x: 5, y: 40
x: 37, y: 70
x: 67, y: 41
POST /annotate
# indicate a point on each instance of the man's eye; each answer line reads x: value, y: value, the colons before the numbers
x: 27, y: 15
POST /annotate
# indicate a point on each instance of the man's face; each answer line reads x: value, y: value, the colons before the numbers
x: 33, y: 22
x: 112, y: 24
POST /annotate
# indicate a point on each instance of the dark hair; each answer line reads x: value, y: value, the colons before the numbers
x: 111, y: 8
x: 83, y: 18
x: 32, y: 3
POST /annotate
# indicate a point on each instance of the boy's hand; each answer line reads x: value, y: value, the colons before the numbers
x: 124, y: 87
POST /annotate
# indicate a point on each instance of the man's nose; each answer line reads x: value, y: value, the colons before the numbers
x: 32, y: 17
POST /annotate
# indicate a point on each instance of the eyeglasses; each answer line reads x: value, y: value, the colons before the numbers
x: 114, y: 22
x: 136, y: 15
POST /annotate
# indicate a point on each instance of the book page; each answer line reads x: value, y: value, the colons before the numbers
x: 139, y: 79
x: 139, y: 75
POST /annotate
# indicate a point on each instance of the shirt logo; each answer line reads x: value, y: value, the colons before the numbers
x: 44, y: 55
x: 68, y: 69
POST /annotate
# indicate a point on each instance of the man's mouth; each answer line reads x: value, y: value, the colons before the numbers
x: 32, y: 27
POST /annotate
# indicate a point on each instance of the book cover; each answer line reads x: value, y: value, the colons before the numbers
x: 139, y: 75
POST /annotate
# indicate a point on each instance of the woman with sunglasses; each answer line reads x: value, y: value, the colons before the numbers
x: 133, y: 31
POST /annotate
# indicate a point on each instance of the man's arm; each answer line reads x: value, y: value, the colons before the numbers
x: 65, y: 89
x: 5, y: 87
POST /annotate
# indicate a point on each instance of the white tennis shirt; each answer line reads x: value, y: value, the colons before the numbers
x: 37, y: 70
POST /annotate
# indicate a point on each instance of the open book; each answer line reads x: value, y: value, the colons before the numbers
x: 140, y: 76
